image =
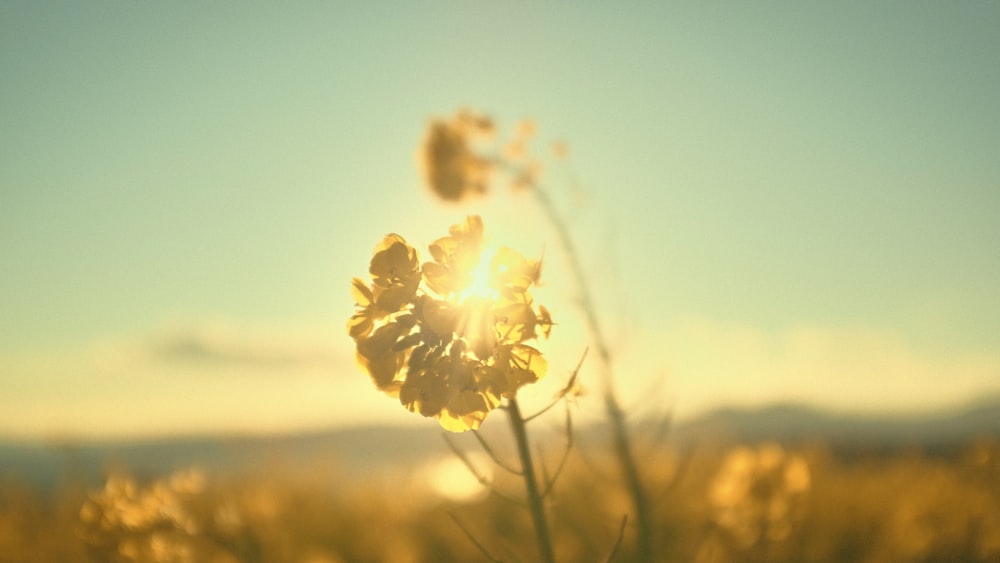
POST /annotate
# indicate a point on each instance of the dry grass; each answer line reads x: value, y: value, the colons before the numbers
x: 900, y: 506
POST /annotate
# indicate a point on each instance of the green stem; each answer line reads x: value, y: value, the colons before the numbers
x: 622, y: 445
x: 519, y: 427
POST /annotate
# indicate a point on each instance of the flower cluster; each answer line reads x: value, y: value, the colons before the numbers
x: 458, y: 156
x: 442, y: 353
x: 127, y: 522
x: 451, y: 168
x: 757, y: 492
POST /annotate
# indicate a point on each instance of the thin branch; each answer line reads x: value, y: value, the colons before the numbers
x: 566, y: 389
x: 544, y: 410
x: 472, y: 538
x: 496, y: 459
x: 467, y: 462
x: 550, y: 482
x: 475, y: 473
x: 618, y: 542
x: 510, y: 553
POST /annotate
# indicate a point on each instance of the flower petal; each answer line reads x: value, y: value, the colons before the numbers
x: 359, y: 290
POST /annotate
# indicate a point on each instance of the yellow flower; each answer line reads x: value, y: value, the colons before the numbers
x: 444, y: 357
x: 509, y: 271
x: 455, y: 256
x: 361, y: 323
x: 395, y: 271
x: 451, y: 168
x: 438, y: 316
x: 477, y: 326
x: 449, y: 390
x: 425, y: 389
x: 383, y: 353
x: 516, y: 321
x: 522, y: 364
x: 758, y: 494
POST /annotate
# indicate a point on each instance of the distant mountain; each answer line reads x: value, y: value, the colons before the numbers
x: 795, y: 423
x: 346, y: 451
x: 370, y: 450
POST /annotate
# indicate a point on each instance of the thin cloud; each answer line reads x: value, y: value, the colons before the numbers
x: 233, y: 347
x: 211, y: 345
x: 191, y: 377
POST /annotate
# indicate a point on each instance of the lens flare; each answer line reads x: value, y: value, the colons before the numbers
x: 480, y: 284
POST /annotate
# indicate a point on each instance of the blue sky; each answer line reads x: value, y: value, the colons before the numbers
x: 779, y: 201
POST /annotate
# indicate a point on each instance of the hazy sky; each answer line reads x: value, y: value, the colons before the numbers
x: 776, y: 201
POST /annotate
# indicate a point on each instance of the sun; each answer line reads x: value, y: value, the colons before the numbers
x: 480, y: 275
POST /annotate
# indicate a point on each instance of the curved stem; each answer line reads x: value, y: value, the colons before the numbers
x: 616, y: 417
x: 517, y: 424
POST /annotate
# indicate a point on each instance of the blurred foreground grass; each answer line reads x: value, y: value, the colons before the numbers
x: 754, y: 502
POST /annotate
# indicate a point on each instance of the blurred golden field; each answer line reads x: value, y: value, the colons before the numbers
x: 810, y: 501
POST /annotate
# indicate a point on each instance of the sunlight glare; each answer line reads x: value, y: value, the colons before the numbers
x: 480, y: 285
x: 449, y: 478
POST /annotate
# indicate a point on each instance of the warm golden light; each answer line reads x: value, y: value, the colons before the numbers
x: 480, y: 284
x: 445, y: 357
x: 450, y: 479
